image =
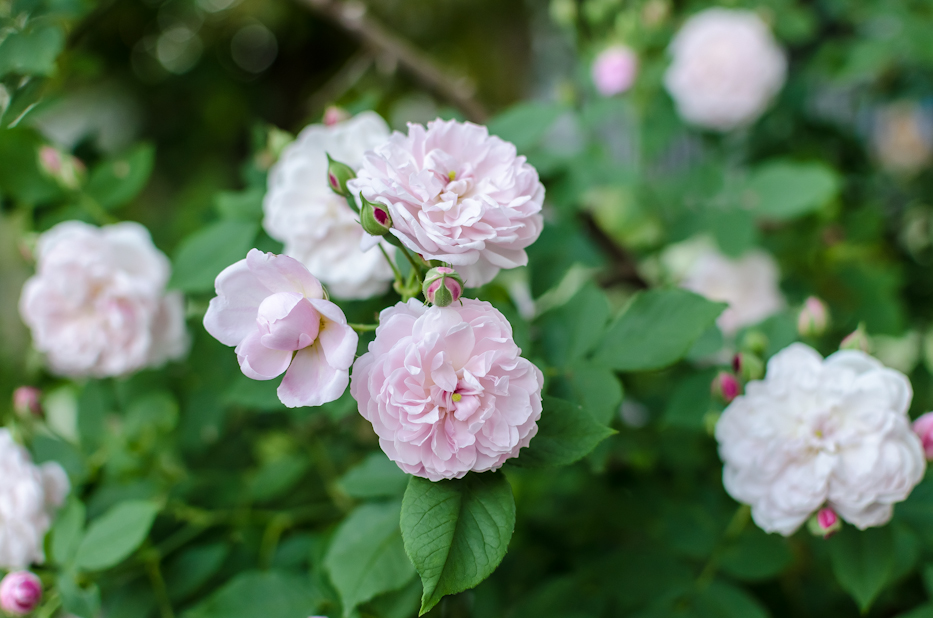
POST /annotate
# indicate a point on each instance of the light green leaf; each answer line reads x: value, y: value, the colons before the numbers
x: 245, y: 205
x: 656, y: 329
x: 526, y: 123
x: 377, y: 476
x: 83, y: 602
x: 66, y: 532
x: 115, y: 534
x: 566, y: 433
x: 202, y: 256
x: 863, y: 562
x: 270, y: 594
x: 366, y: 557
x: 117, y: 181
x: 456, y: 532
x: 598, y: 389
x: 31, y: 51
x: 783, y: 189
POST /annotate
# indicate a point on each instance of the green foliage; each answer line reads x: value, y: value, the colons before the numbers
x: 202, y: 256
x: 260, y: 593
x: 863, y: 562
x: 566, y: 433
x: 115, y: 535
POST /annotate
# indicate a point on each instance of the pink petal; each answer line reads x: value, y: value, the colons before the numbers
x: 259, y: 362
x: 287, y: 321
x: 231, y: 315
x: 280, y: 273
x: 311, y: 381
x: 338, y: 340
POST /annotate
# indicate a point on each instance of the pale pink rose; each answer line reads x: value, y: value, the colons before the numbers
x: 614, y: 70
x: 20, y: 593
x: 446, y: 389
x: 97, y: 305
x: 923, y: 427
x: 273, y: 310
x: 456, y: 194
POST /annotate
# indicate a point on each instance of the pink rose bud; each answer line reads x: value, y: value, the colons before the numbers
x: 20, y: 593
x: 813, y: 318
x: 825, y: 523
x: 725, y: 387
x: 923, y: 427
x: 857, y: 340
x: 66, y: 170
x: 26, y: 401
x: 335, y: 115
x: 50, y: 160
x: 614, y: 70
x: 338, y: 174
x: 748, y: 366
x: 442, y: 286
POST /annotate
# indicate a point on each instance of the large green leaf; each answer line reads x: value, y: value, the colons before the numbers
x: 722, y: 600
x: 656, y: 329
x: 863, y: 562
x: 456, y: 532
x: 202, y: 256
x: 270, y: 594
x: 376, y: 476
x: 566, y: 433
x: 117, y: 181
x: 366, y: 557
x: 783, y: 189
x: 115, y: 534
x: 32, y: 51
x: 526, y: 123
x: 67, y: 531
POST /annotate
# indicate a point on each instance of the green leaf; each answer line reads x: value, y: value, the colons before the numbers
x: 656, y: 329
x: 598, y: 389
x: 245, y: 205
x: 756, y: 556
x: 117, y: 181
x: 277, y: 477
x: 81, y: 602
x: 722, y: 600
x: 366, y: 557
x: 923, y: 611
x: 20, y: 176
x: 566, y: 433
x: 270, y: 594
x: 863, y: 562
x: 67, y: 531
x: 526, y: 123
x: 783, y: 190
x: 377, y: 476
x: 456, y: 532
x: 116, y: 534
x: 690, y: 401
x: 151, y: 414
x: 31, y: 51
x: 202, y: 256
x: 192, y: 568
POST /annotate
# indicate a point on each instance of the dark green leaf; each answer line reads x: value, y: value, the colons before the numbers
x: 598, y: 389
x: 202, y: 256
x: 270, y: 594
x: 115, y: 535
x: 656, y: 329
x: 377, y: 476
x: 190, y: 570
x: 863, y: 562
x: 277, y: 477
x: 456, y: 532
x: 722, y: 600
x: 566, y: 433
x: 756, y: 556
x: 20, y: 176
x: 690, y: 402
x: 116, y: 182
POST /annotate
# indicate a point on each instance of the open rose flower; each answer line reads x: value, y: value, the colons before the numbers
x: 317, y: 226
x: 273, y: 310
x: 446, y: 389
x: 458, y: 195
x: 821, y: 433
x: 97, y: 305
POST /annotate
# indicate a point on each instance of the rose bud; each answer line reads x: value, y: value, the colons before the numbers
x: 748, y: 366
x: 856, y: 340
x: 20, y: 593
x: 923, y: 427
x: 335, y: 115
x: 338, y: 174
x: 725, y: 387
x: 614, y: 70
x: 813, y: 318
x: 824, y: 523
x: 66, y: 170
x: 375, y: 218
x: 442, y: 286
x: 26, y: 401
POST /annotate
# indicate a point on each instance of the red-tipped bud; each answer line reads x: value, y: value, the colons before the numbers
x: 375, y: 218
x: 66, y: 170
x: 442, y: 286
x: 748, y: 366
x: 725, y: 387
x: 338, y: 175
x: 813, y: 318
x: 824, y: 523
x: 26, y: 401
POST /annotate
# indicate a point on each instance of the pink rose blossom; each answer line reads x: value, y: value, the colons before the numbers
x: 446, y: 389
x: 456, y: 194
x: 923, y: 427
x: 614, y: 70
x: 273, y: 310
x: 20, y: 593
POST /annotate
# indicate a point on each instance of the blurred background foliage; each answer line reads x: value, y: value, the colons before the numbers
x: 205, y: 497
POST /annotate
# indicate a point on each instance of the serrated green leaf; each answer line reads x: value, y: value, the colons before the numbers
x: 656, y: 329
x: 202, y: 256
x: 117, y: 181
x: 456, y: 532
x: 566, y: 433
x: 366, y: 557
x: 863, y: 561
x: 115, y: 535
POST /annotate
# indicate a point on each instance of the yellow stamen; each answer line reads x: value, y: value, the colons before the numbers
x: 456, y: 397
x: 452, y: 175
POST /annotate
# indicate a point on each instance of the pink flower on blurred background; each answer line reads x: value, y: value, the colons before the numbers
x: 26, y: 401
x: 273, y: 310
x: 923, y: 427
x: 726, y: 68
x: 458, y: 195
x: 97, y: 305
x: 817, y: 433
x: 614, y: 70
x: 446, y: 389
x: 318, y: 227
x: 29, y: 496
x: 20, y: 593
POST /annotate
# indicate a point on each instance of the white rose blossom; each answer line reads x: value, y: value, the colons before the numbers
x: 726, y: 69
x: 317, y: 226
x: 817, y: 432
x: 97, y: 305
x: 29, y: 495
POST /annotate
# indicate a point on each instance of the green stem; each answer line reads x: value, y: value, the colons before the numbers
x: 411, y: 260
x: 270, y: 540
x: 48, y: 610
x: 363, y: 328
x: 734, y: 529
x: 395, y: 270
x: 158, y: 586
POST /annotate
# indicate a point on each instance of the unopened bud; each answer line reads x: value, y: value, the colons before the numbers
x: 442, y: 286
x: 748, y: 366
x: 755, y: 341
x: 335, y: 115
x: 66, y: 170
x: 824, y: 523
x: 857, y: 340
x: 20, y: 593
x: 813, y: 318
x: 338, y: 175
x: 923, y: 427
x: 375, y: 218
x: 26, y: 401
x: 725, y: 387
